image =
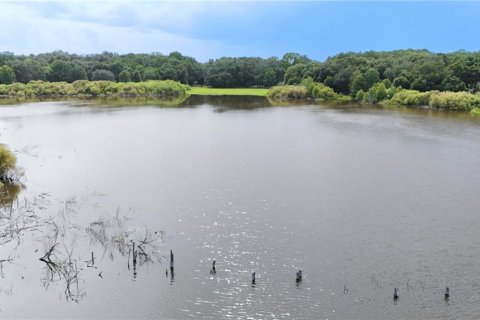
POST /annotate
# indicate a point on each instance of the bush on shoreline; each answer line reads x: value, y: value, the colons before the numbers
x: 307, y: 90
x: 85, y: 88
x: 448, y: 100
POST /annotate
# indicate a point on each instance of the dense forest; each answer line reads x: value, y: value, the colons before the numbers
x: 406, y: 77
x: 346, y: 73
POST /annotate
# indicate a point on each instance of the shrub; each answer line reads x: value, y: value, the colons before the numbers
x: 435, y: 99
x: 7, y: 163
x: 287, y: 92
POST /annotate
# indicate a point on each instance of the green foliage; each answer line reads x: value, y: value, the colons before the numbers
x: 435, y: 99
x: 8, y: 162
x: 7, y: 76
x: 124, y: 76
x: 321, y: 92
x: 103, y: 74
x: 411, y: 98
x: 166, y: 88
x: 150, y: 74
x: 307, y: 90
x: 345, y: 73
x: 137, y: 76
x: 357, y: 83
x: 328, y: 81
x: 380, y: 91
x: 292, y: 58
x: 248, y: 72
x: 454, y: 101
x: 269, y: 77
x: 371, y: 77
x: 309, y: 84
x: 452, y: 83
x: 387, y: 83
x: 287, y: 92
x: 363, y: 81
x: 401, y: 82
x: 360, y: 96
x: 475, y: 111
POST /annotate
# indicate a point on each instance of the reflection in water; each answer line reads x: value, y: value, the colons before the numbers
x: 9, y: 193
x: 103, y: 101
x: 16, y: 218
x: 60, y: 266
x: 226, y: 103
x: 135, y: 101
x: 66, y: 244
x: 359, y: 198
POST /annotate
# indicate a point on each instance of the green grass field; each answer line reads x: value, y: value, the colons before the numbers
x: 205, y: 91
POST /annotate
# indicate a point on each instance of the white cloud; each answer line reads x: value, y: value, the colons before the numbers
x: 91, y: 27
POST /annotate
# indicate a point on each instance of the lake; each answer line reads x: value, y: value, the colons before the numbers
x: 359, y: 198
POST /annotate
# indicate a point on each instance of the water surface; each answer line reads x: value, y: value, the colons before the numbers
x: 364, y: 198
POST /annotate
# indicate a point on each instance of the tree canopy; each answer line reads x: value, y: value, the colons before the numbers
x: 346, y: 73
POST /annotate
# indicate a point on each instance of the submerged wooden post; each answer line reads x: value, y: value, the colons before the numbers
x: 299, y: 277
x: 395, y: 294
x: 134, y: 255
x: 171, y: 262
x: 447, y: 293
x: 214, y: 270
x: 253, y: 279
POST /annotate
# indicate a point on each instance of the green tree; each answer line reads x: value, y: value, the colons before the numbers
x: 124, y: 76
x: 357, y: 83
x: 360, y: 96
x: 136, y: 76
x: 77, y: 73
x: 328, y: 81
x: 401, y: 81
x: 380, y: 91
x: 150, y: 73
x: 293, y: 58
x: 7, y: 76
x: 103, y: 74
x: 295, y: 73
x: 371, y: 77
x: 60, y: 70
x: 452, y: 83
x: 269, y: 78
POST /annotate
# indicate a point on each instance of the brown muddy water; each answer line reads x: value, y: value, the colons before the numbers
x: 366, y: 199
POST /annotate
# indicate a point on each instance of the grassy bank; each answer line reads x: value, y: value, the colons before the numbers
x: 207, y: 91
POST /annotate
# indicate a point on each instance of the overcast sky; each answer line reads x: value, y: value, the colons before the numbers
x: 207, y: 29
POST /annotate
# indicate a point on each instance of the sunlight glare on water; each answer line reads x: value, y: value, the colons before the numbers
x: 361, y: 198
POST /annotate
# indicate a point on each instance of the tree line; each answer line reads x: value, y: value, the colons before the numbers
x: 225, y: 72
x: 346, y: 73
